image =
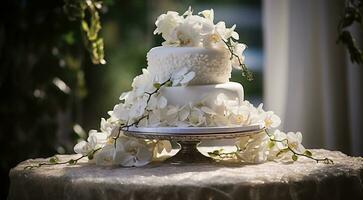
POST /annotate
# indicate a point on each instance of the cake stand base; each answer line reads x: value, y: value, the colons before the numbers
x: 188, y: 138
x: 189, y: 153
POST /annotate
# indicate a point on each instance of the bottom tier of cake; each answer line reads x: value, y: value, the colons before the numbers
x: 206, y: 94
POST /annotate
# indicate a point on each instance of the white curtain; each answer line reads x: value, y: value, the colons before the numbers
x: 308, y: 78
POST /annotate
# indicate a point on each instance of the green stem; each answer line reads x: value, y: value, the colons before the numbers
x: 71, y: 161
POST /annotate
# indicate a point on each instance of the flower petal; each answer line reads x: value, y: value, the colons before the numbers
x: 81, y: 148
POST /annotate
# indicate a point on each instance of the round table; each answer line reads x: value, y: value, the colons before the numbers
x: 304, y: 179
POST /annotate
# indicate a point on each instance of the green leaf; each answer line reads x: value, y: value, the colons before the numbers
x: 211, y: 154
x: 294, y: 157
x: 308, y: 153
x: 271, y: 144
x: 69, y: 38
x: 282, y: 151
x: 90, y: 156
x: 157, y: 85
x: 216, y: 152
x: 85, y: 26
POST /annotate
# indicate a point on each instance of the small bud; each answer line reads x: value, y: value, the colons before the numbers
x: 169, y: 83
x: 72, y: 162
x: 157, y: 85
x: 90, y: 156
x: 294, y: 157
x: 53, y: 160
x: 308, y: 153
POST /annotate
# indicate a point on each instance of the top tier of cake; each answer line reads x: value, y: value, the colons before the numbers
x: 211, y: 66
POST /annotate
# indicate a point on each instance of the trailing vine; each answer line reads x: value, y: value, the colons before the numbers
x: 295, y: 154
x: 245, y: 72
x: 220, y: 155
x: 158, y: 86
x: 54, y: 160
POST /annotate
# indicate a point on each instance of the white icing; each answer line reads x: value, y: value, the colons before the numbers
x: 211, y: 66
x: 179, y: 96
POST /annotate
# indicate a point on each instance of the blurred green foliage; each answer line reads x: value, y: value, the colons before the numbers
x: 91, y: 25
x: 42, y: 81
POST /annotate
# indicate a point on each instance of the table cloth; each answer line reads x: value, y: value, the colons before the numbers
x: 303, y: 179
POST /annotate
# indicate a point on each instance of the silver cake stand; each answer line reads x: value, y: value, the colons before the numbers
x: 189, y: 137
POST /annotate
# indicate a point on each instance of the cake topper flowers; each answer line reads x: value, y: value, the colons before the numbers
x: 190, y: 30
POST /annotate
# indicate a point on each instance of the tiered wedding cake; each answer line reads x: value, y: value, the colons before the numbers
x: 194, y: 66
x: 186, y: 84
x: 212, y: 68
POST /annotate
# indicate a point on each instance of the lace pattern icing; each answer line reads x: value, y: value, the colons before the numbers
x: 211, y: 66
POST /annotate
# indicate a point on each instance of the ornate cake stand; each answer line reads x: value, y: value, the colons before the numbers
x: 189, y: 137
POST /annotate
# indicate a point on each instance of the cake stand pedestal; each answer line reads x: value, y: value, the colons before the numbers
x: 189, y: 137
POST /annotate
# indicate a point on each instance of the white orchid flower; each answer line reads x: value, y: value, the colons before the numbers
x: 143, y: 83
x: 196, y: 117
x: 182, y: 77
x: 162, y: 145
x: 220, y: 120
x: 94, y: 141
x: 166, y: 25
x: 190, y: 32
x: 208, y: 14
x: 188, y: 12
x: 271, y: 120
x: 131, y: 152
x: 154, y: 118
x: 120, y: 112
x: 226, y: 33
x: 241, y: 119
x: 109, y: 127
x: 137, y: 109
x: 284, y: 141
x: 280, y: 136
x: 124, y: 96
x: 208, y: 110
x: 157, y: 102
x: 238, y: 49
x: 295, y: 140
x: 105, y: 155
x: 253, y: 148
x: 176, y: 116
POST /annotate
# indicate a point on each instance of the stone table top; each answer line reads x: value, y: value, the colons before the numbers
x: 304, y: 179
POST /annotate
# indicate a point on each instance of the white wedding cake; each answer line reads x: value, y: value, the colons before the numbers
x: 186, y: 84
x: 194, y: 66
x: 212, y: 68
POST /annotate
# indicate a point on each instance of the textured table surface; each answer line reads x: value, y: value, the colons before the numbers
x: 304, y: 179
